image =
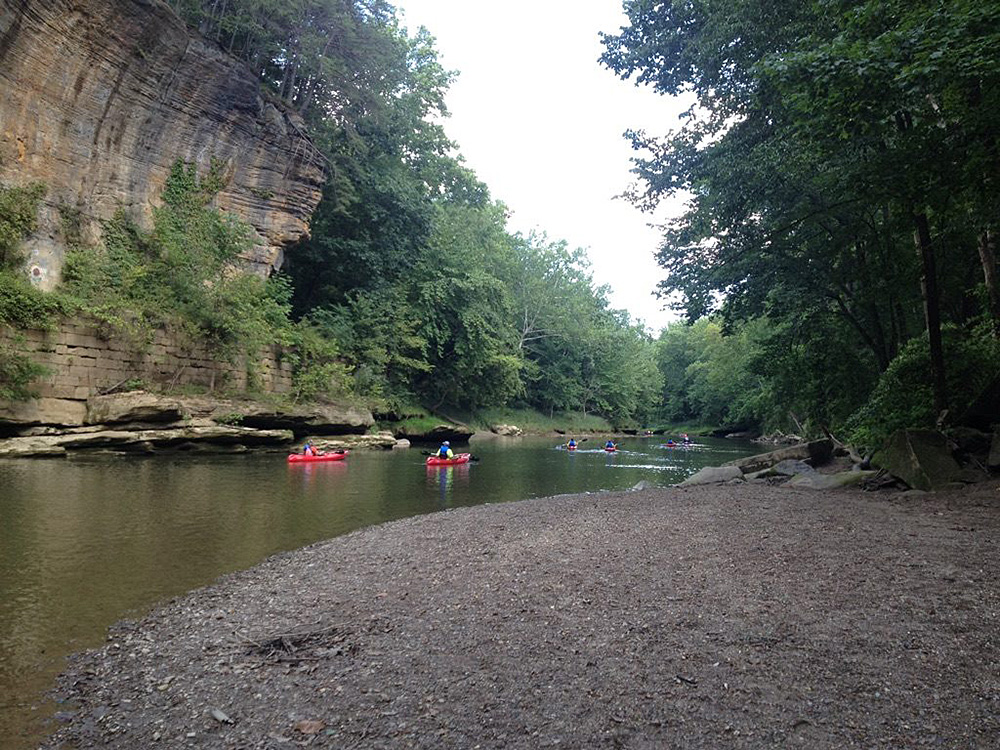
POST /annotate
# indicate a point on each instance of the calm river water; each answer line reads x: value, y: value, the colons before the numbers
x: 88, y: 541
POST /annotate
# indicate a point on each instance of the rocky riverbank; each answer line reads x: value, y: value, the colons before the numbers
x: 143, y: 422
x: 710, y: 616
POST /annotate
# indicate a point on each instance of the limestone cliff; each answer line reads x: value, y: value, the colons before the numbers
x: 98, y: 98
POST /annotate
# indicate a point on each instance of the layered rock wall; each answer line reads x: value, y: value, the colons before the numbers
x: 81, y: 364
x: 99, y: 98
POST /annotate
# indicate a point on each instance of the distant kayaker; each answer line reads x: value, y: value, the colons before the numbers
x: 445, y: 450
x: 610, y: 446
x: 571, y: 444
x: 685, y: 438
x: 307, y: 450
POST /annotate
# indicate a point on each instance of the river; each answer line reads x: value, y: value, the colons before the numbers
x: 87, y: 541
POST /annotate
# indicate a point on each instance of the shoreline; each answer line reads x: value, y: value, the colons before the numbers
x: 694, y: 617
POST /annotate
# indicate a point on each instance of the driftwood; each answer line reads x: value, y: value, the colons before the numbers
x: 849, y: 449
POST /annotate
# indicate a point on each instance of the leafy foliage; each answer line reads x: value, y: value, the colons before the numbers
x: 23, y: 306
x: 18, y: 219
x: 17, y: 375
x: 180, y: 274
x: 902, y: 397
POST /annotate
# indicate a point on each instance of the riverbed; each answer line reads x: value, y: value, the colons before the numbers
x: 88, y: 541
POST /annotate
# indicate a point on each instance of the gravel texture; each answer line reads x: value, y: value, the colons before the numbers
x: 710, y: 617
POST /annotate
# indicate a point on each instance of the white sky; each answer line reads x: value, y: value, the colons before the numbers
x: 540, y: 121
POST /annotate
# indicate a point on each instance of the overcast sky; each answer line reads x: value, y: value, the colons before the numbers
x: 540, y: 121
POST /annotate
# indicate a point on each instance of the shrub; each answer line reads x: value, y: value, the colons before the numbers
x: 17, y: 375
x: 317, y: 370
x: 904, y: 396
x: 18, y: 219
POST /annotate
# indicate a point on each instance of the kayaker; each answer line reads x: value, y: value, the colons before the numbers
x: 307, y: 450
x: 686, y: 439
x: 445, y: 450
x: 571, y: 444
x: 610, y: 446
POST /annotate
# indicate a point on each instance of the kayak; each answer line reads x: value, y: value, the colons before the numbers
x: 301, y: 458
x: 611, y: 450
x: 571, y: 447
x: 460, y: 458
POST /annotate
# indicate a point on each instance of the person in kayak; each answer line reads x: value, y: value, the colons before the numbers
x: 610, y: 446
x: 308, y: 450
x: 571, y: 444
x: 445, y: 451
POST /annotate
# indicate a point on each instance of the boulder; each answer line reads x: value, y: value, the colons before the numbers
x: 920, y: 458
x: 133, y: 406
x: 817, y: 481
x: 452, y: 432
x: 378, y: 441
x: 790, y: 467
x: 30, y: 447
x: 816, y: 452
x: 712, y: 475
x: 507, y: 430
x: 60, y: 412
x: 318, y: 419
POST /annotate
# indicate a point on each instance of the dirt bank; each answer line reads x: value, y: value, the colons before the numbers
x: 710, y: 617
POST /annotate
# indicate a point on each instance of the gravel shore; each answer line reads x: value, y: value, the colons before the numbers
x: 709, y: 617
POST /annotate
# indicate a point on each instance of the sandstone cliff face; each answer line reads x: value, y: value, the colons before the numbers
x: 98, y: 98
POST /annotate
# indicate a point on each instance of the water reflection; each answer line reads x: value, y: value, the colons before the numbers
x: 443, y: 478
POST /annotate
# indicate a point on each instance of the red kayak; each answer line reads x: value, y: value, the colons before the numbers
x: 460, y: 458
x: 611, y: 450
x: 301, y: 458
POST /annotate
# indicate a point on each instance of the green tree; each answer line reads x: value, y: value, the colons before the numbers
x: 830, y: 141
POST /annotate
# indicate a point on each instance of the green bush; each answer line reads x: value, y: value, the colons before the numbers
x: 18, y: 219
x: 23, y: 306
x: 317, y: 369
x: 904, y: 396
x: 182, y: 274
x: 17, y: 375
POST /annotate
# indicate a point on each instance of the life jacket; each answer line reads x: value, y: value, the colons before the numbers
x: 443, y: 451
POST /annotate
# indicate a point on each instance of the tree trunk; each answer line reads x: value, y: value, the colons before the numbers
x: 988, y: 257
x: 932, y: 309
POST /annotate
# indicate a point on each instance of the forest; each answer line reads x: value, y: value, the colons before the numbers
x: 834, y: 269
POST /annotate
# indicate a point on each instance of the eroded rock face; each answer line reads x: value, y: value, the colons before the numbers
x: 101, y: 98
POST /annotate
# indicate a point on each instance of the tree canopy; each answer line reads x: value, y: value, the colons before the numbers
x: 841, y: 162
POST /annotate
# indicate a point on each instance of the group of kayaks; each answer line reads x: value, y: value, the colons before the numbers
x: 340, y: 455
x: 607, y: 448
